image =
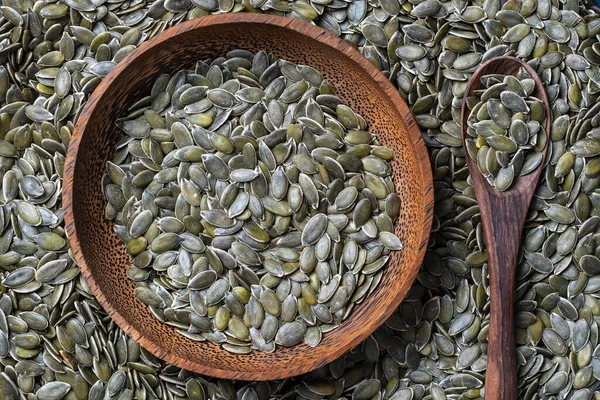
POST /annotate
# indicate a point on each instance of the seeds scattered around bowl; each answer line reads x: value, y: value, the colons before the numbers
x: 506, y: 128
x: 256, y: 206
x: 444, y: 38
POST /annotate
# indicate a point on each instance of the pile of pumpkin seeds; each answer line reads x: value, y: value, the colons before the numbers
x: 58, y: 343
x: 506, y: 128
x: 258, y: 208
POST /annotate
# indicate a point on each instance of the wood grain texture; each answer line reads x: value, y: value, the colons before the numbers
x: 503, y: 216
x: 101, y: 255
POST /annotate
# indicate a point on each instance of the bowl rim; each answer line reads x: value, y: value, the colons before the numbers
x: 313, y: 32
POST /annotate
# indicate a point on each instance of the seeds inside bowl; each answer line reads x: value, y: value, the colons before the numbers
x: 257, y: 207
x: 506, y: 125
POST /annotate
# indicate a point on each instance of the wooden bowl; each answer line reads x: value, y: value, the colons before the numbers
x: 101, y: 255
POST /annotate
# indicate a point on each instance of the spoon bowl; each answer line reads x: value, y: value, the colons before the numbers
x: 503, y: 216
x: 507, y: 66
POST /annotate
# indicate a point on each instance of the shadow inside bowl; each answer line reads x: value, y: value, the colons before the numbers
x: 101, y: 255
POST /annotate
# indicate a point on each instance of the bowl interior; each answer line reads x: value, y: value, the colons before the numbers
x: 101, y: 255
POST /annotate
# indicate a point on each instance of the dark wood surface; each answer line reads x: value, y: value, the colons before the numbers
x: 101, y: 255
x: 503, y: 216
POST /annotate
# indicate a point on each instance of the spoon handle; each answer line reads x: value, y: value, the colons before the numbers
x: 503, y: 218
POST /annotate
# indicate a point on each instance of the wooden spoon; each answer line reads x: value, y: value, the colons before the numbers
x: 503, y: 216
